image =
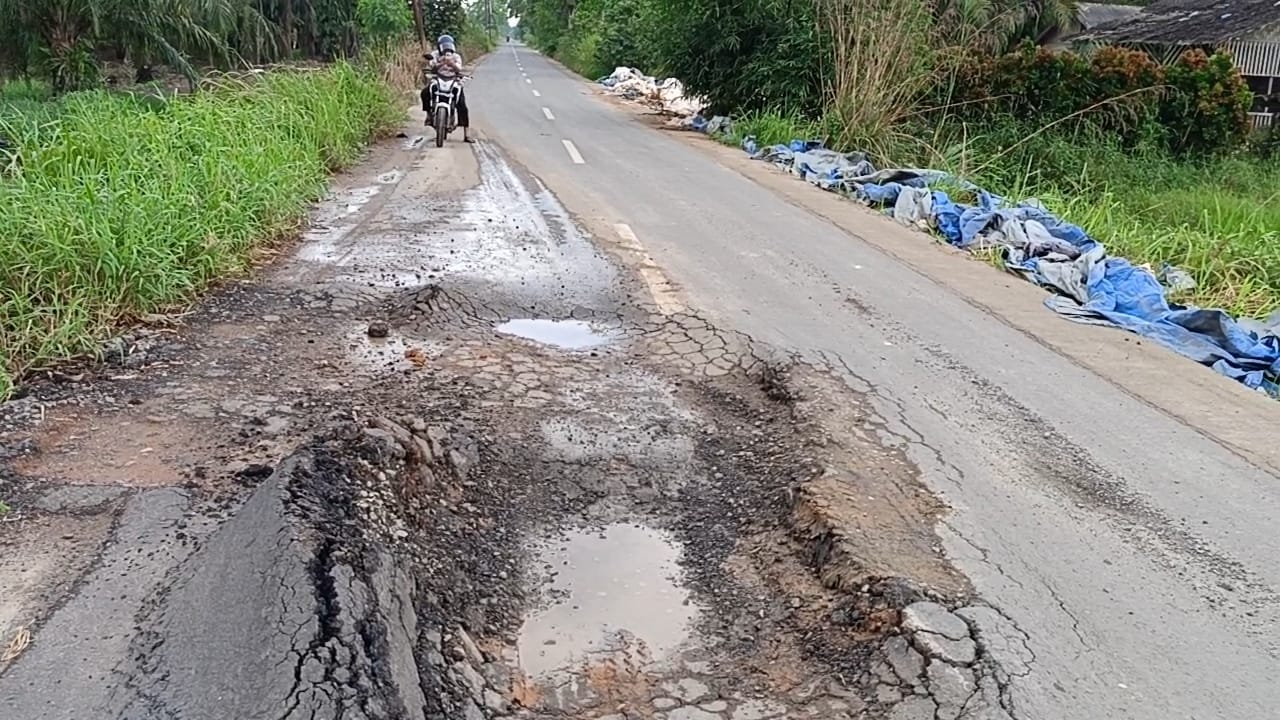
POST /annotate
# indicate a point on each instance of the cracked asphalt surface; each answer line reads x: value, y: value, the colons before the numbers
x: 1125, y: 528
x: 635, y: 430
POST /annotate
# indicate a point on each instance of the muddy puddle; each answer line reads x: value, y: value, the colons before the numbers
x: 508, y: 233
x: 511, y: 230
x: 562, y: 334
x: 608, y: 590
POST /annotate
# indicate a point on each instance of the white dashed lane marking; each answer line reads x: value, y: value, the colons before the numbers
x: 574, y: 155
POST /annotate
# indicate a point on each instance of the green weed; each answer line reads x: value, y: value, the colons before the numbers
x: 121, y: 207
x: 774, y: 129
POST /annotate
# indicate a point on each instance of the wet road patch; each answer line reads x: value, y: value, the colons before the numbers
x: 563, y: 334
x: 604, y: 586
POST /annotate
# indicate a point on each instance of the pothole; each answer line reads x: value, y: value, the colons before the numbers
x: 563, y: 334
x: 598, y: 439
x: 619, y: 586
x: 394, y: 353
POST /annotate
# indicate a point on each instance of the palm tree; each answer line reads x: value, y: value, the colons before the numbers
x: 995, y: 26
x: 64, y: 37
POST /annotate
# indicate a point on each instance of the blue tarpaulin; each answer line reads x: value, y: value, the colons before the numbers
x: 1088, y: 285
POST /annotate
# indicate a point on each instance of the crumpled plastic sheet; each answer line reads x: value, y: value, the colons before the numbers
x: 667, y: 95
x: 1088, y: 286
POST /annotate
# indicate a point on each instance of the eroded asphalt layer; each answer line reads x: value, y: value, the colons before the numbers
x: 514, y: 487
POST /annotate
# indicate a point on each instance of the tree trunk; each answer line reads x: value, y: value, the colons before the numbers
x: 418, y: 25
x: 286, y: 28
x: 312, y: 43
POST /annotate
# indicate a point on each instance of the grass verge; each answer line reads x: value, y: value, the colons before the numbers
x: 121, y: 207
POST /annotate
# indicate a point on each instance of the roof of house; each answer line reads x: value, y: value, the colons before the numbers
x: 1187, y: 22
x: 1091, y: 15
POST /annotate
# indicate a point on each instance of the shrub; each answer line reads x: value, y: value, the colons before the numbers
x: 1198, y: 103
x: 1116, y: 88
x: 383, y: 22
x: 626, y: 36
x: 1207, y: 104
x: 1266, y: 144
x: 747, y: 55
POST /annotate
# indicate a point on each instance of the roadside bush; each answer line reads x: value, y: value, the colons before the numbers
x: 627, y: 36
x: 383, y: 22
x: 474, y: 40
x: 600, y: 35
x: 1266, y: 144
x: 1197, y: 103
x: 883, y: 63
x: 1207, y: 103
x: 746, y: 55
x: 580, y: 44
x: 1115, y: 88
x: 121, y: 207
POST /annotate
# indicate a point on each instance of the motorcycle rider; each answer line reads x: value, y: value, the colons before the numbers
x: 446, y: 53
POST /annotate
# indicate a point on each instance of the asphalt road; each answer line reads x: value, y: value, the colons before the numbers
x: 1118, y: 529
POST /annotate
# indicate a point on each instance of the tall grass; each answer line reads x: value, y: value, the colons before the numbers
x: 1218, y: 218
x: 122, y: 207
x: 775, y: 128
x: 885, y: 56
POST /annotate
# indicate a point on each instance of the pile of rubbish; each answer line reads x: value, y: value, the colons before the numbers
x: 1088, y: 285
x: 665, y: 95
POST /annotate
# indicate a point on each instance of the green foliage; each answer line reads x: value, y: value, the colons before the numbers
x: 121, y: 207
x: 480, y: 31
x: 1197, y: 103
x: 772, y: 128
x: 754, y: 55
x: 64, y: 41
x: 1266, y: 144
x: 443, y: 16
x: 744, y: 55
x: 384, y: 21
x: 69, y: 68
x: 628, y: 36
x: 1207, y: 106
x: 334, y: 31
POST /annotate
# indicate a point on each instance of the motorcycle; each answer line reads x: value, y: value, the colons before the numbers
x: 445, y: 88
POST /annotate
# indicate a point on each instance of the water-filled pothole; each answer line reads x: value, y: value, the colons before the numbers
x: 563, y: 334
x: 607, y: 587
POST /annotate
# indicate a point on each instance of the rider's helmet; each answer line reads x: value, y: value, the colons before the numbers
x: 445, y: 44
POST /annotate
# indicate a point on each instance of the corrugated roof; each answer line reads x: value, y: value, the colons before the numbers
x: 1181, y: 22
x: 1091, y: 15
